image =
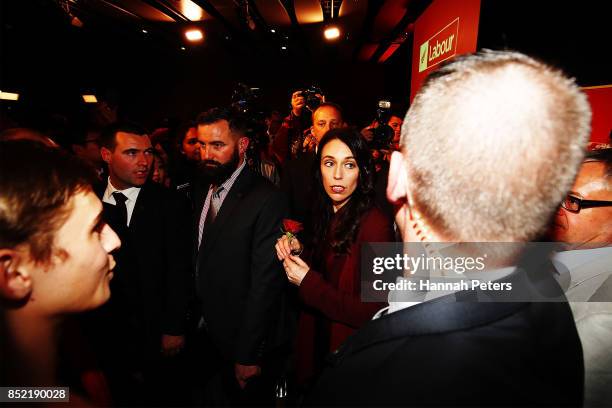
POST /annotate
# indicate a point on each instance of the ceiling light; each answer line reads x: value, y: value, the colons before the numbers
x: 9, y: 96
x: 272, y: 30
x: 283, y: 48
x: 331, y: 33
x: 192, y: 11
x: 183, y: 48
x: 89, y: 98
x: 194, y: 34
x: 144, y: 31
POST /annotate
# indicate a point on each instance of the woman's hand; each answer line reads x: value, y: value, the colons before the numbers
x: 295, y: 268
x: 283, y: 249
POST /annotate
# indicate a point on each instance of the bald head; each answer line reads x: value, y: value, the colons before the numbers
x: 325, y: 117
x: 495, y: 140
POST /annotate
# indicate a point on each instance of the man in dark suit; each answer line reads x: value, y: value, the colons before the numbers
x: 494, y: 141
x: 239, y: 283
x: 145, y: 319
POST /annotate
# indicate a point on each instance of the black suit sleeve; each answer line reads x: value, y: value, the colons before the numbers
x: 267, y: 282
x: 286, y: 186
x: 177, y: 277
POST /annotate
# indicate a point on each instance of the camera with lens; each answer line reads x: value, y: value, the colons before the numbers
x: 382, y: 133
x: 312, y: 97
x: 244, y: 99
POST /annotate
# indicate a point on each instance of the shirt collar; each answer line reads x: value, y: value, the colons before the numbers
x: 227, y: 184
x: 399, y: 300
x: 131, y: 193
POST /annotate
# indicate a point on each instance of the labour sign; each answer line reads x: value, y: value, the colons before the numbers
x: 440, y: 47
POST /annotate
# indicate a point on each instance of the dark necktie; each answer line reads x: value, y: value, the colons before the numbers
x: 211, y: 214
x: 214, y: 204
x: 120, y: 199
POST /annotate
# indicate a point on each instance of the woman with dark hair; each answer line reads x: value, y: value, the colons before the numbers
x: 346, y: 216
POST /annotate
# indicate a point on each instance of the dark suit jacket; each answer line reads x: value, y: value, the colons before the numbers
x: 241, y: 283
x: 448, y: 353
x: 149, y: 291
x: 298, y: 183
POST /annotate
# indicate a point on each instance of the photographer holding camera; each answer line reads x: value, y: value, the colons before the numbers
x: 383, y: 133
x: 383, y: 136
x: 245, y: 100
x: 295, y: 130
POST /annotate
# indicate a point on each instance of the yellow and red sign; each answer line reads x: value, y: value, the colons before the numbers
x: 440, y: 47
x: 446, y: 29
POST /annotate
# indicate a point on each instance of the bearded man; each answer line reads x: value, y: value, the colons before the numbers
x: 239, y: 284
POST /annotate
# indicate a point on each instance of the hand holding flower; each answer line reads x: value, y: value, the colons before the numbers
x: 288, y: 243
x: 283, y: 248
x: 288, y: 249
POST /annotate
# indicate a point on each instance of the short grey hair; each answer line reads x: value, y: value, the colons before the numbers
x: 493, y: 143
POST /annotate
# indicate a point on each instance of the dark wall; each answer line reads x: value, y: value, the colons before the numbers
x: 573, y: 36
x: 51, y: 63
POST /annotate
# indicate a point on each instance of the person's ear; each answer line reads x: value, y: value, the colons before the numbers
x: 106, y: 154
x: 243, y: 144
x: 15, y: 279
x: 397, y: 187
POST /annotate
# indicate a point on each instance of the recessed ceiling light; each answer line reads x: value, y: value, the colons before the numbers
x: 191, y: 10
x: 89, y: 98
x: 9, y: 96
x: 144, y: 31
x: 283, y: 48
x: 194, y: 34
x: 183, y: 48
x: 331, y: 33
x: 272, y: 30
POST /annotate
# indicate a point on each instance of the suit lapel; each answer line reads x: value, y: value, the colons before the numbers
x: 230, y: 203
x: 100, y: 188
x: 139, y: 208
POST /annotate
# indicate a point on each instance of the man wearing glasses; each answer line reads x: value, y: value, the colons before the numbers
x: 584, y: 223
x: 585, y: 217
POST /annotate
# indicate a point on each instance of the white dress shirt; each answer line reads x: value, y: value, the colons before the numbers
x: 399, y: 300
x: 582, y: 273
x: 131, y: 194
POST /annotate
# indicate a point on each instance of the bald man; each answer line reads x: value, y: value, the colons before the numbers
x: 489, y: 148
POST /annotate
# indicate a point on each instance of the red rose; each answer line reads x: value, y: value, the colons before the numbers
x: 291, y: 226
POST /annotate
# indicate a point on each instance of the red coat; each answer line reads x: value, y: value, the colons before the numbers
x: 334, y: 309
